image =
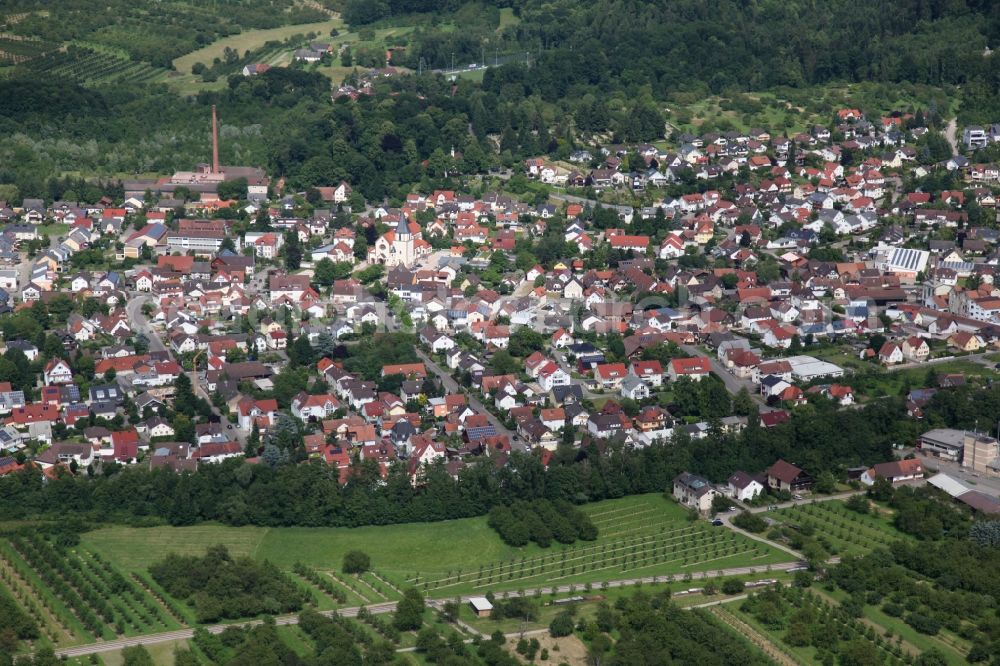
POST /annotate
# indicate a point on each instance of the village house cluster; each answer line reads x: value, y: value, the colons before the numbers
x: 791, y: 249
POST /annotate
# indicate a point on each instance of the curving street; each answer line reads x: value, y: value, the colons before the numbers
x: 139, y: 323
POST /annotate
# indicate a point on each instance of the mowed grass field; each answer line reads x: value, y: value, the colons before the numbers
x: 252, y: 39
x: 639, y: 536
x: 184, y: 82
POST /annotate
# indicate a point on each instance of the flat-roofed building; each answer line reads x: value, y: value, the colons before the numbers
x: 944, y: 443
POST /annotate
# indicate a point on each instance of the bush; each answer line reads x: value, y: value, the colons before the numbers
x: 732, y: 586
x: 892, y: 609
x: 12, y: 618
x: 923, y: 623
x: 750, y: 522
x: 858, y: 504
x: 356, y: 562
x: 518, y: 608
x: 721, y: 503
x: 561, y: 625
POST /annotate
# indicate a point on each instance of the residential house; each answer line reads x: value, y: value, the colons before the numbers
x: 694, y: 491
x: 785, y: 476
x: 743, y: 487
x: 695, y: 368
x: 896, y: 471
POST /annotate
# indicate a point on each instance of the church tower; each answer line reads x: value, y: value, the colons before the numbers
x: 403, y: 242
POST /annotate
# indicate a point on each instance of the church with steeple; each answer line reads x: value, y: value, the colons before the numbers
x: 401, y: 246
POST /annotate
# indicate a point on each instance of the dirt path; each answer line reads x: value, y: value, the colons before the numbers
x: 951, y: 134
x: 769, y: 647
x: 386, y: 583
x: 345, y: 584
x: 909, y: 647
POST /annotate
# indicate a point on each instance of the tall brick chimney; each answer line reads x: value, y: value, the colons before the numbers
x: 215, y: 142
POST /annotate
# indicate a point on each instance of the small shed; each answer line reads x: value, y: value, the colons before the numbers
x: 481, y: 606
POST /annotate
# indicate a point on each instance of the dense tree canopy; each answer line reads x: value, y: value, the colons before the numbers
x: 220, y: 586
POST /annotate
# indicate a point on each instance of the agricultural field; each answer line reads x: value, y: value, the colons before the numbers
x: 952, y: 646
x: 14, y: 50
x: 809, y: 625
x: 157, y: 32
x: 92, y: 66
x: 76, y: 596
x: 639, y: 536
x: 838, y: 529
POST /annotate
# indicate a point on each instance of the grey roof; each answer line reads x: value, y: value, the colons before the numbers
x: 949, y: 485
x: 402, y: 227
x: 699, y: 485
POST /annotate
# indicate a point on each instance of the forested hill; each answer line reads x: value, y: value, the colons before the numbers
x: 748, y: 44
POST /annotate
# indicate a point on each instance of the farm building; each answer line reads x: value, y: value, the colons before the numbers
x: 481, y: 606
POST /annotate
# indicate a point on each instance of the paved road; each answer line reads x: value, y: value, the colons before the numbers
x: 733, y: 384
x: 450, y: 385
x: 138, y: 322
x: 727, y: 518
x: 806, y: 500
x: 975, y: 480
x: 182, y: 634
x: 389, y: 606
x: 26, y: 264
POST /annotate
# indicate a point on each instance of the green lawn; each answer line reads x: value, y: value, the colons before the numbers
x: 843, y: 355
x: 53, y: 229
x: 639, y: 536
x: 892, y: 383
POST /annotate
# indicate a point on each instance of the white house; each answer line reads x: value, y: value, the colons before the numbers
x: 634, y: 388
x: 694, y: 491
x: 743, y: 487
x: 57, y: 371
